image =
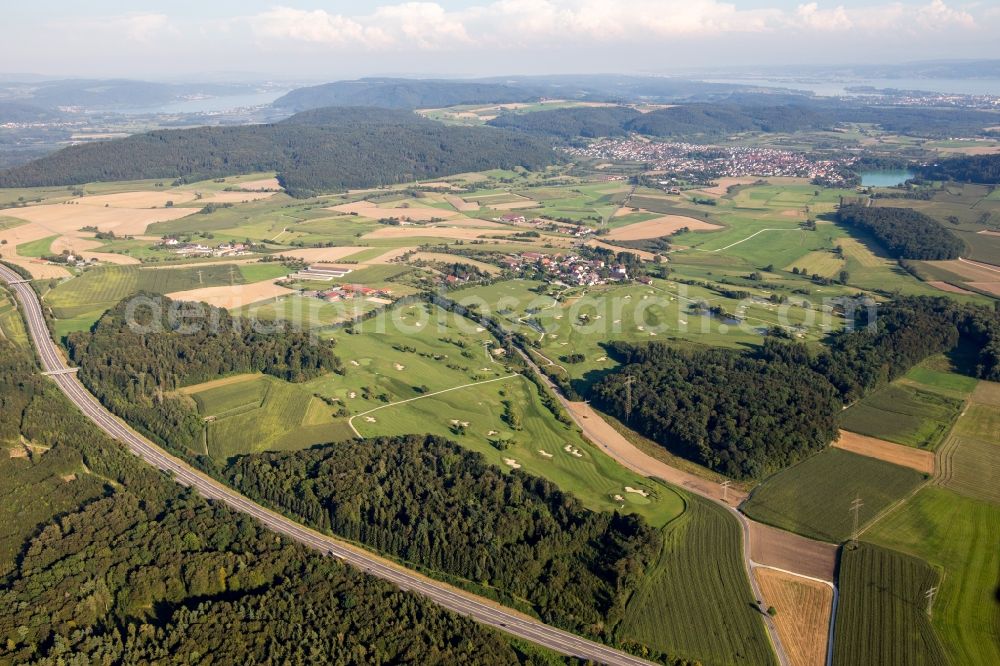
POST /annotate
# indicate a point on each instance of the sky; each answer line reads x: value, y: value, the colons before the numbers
x: 314, y: 40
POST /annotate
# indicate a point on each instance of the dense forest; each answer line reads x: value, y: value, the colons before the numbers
x: 391, y: 93
x: 904, y: 232
x: 586, y: 122
x: 322, y: 150
x: 743, y: 414
x: 701, y: 121
x: 748, y: 414
x: 148, y: 346
x: 105, y: 560
x: 968, y: 169
x: 433, y: 503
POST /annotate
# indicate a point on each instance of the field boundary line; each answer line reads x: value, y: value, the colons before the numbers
x: 350, y: 421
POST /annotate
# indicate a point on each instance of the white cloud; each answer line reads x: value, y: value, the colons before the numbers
x: 428, y: 26
x: 811, y: 16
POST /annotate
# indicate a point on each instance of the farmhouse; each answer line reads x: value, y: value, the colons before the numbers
x: 322, y: 273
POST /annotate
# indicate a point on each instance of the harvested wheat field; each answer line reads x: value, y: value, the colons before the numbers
x: 141, y: 199
x: 392, y: 255
x: 642, y: 254
x: 461, y: 204
x: 987, y: 393
x: 774, y: 547
x: 84, y: 247
x: 950, y: 288
x: 27, y: 233
x: 457, y: 233
x: 803, y: 614
x: 992, y: 287
x: 235, y: 197
x: 897, y: 454
x: 514, y: 205
x: 321, y: 254
x: 69, y: 218
x: 723, y: 184
x: 233, y: 296
x: 972, y: 271
x: 415, y: 213
x: 262, y: 185
x: 661, y: 226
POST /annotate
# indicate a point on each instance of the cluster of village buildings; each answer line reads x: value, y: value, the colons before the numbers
x: 702, y: 163
x: 542, y: 224
x: 198, y: 250
x: 568, y: 269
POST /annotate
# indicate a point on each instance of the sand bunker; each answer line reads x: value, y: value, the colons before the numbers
x: 510, y: 462
x: 545, y: 454
x: 636, y: 491
x: 573, y: 451
x: 661, y: 226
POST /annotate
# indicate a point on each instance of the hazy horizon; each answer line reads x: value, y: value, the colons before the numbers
x: 305, y: 40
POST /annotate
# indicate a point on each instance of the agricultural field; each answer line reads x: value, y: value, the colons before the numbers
x: 11, y: 324
x: 697, y: 600
x: 83, y: 299
x: 970, y: 459
x: 957, y: 537
x: 306, y: 311
x: 813, y: 498
x: 881, y: 617
x: 802, y: 615
x: 38, y: 248
x: 904, y: 414
x: 259, y: 413
x: 573, y: 326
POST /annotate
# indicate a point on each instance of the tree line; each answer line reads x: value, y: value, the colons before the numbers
x: 108, y: 561
x: 315, y: 151
x: 748, y: 414
x: 904, y: 232
x: 983, y: 169
x: 431, y: 502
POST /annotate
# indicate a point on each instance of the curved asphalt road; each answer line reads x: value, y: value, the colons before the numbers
x: 478, y: 609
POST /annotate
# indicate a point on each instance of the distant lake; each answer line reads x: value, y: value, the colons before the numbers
x: 885, y: 178
x: 212, y: 104
x: 837, y: 87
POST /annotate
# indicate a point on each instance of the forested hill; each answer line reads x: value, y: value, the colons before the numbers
x: 569, y: 123
x: 700, y: 121
x: 322, y: 150
x: 402, y: 94
x: 104, y: 560
x: 445, y: 508
x: 906, y: 233
x: 968, y: 168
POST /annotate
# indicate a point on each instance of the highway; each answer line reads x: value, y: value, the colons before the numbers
x: 446, y: 596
